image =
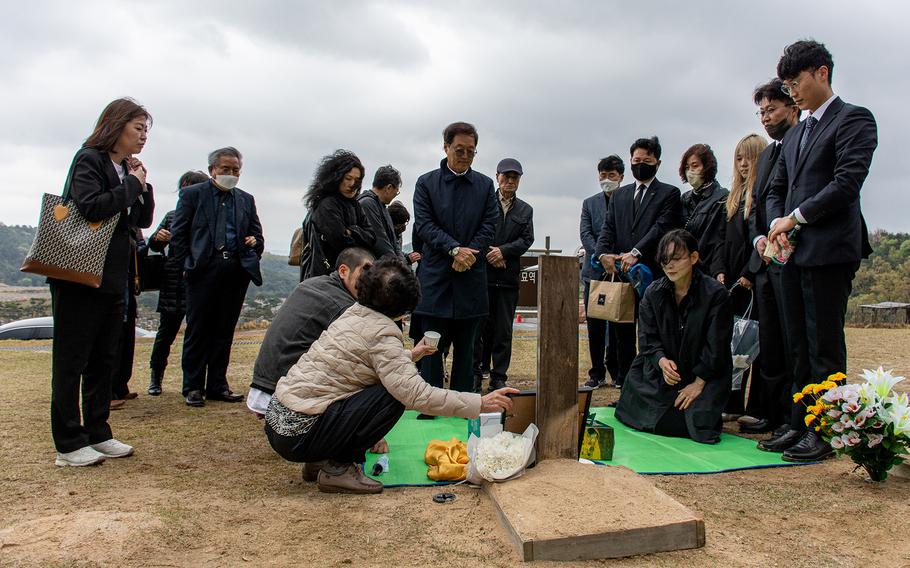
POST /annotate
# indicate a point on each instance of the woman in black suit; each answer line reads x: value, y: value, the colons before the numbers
x: 335, y: 220
x: 172, y: 296
x: 105, y: 180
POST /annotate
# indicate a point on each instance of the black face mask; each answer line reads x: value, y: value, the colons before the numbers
x: 643, y: 172
x: 777, y: 131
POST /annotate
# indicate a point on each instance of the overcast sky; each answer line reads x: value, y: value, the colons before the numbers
x: 557, y: 85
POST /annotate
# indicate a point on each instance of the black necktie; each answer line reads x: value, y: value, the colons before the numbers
x: 638, y: 197
x: 807, y: 132
x: 775, y: 153
x: 221, y: 222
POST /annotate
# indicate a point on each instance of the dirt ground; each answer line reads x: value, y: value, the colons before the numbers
x: 205, y: 489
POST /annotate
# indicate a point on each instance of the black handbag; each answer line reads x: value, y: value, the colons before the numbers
x: 150, y: 272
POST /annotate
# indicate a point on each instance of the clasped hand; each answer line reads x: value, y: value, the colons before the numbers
x: 495, y: 258
x: 465, y: 259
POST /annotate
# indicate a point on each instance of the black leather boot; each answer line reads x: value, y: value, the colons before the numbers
x: 155, y: 383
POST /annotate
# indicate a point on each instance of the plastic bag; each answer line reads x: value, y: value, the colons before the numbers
x: 479, y: 467
x: 744, y: 345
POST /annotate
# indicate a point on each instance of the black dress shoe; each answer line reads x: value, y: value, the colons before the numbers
x: 809, y: 449
x: 781, y: 443
x: 225, y: 396
x: 194, y: 398
x: 496, y: 384
x: 155, y: 383
x: 780, y: 430
x: 759, y: 427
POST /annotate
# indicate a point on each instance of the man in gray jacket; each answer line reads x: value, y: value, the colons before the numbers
x: 313, y: 305
x: 375, y: 201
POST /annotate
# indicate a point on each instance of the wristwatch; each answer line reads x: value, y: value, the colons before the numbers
x: 636, y: 253
x: 454, y: 251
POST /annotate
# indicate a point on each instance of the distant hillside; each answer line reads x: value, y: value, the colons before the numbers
x: 15, y: 241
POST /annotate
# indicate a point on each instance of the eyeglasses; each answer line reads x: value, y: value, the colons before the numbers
x: 762, y: 113
x: 464, y: 152
x: 789, y: 86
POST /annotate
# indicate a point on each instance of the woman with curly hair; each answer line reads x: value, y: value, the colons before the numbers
x: 703, y: 206
x: 335, y: 220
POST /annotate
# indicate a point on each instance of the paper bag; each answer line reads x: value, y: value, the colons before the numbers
x: 612, y: 301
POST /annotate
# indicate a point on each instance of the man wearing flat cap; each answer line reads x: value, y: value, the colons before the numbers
x: 514, y: 236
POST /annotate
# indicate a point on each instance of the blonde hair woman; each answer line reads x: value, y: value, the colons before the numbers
x: 731, y: 266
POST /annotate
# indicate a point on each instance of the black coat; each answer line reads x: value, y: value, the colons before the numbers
x: 704, y: 216
x: 380, y: 221
x: 514, y: 236
x: 98, y: 193
x: 193, y: 230
x: 172, y: 296
x: 453, y: 211
x: 733, y: 258
x: 696, y: 336
x: 622, y: 231
x: 759, y: 224
x: 336, y: 223
x: 824, y: 182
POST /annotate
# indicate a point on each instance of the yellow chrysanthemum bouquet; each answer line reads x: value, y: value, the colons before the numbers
x: 867, y: 421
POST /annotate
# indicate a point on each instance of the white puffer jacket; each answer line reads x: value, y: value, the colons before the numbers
x: 360, y: 349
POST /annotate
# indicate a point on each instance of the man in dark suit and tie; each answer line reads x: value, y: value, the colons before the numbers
x: 217, y: 238
x: 638, y: 215
x: 816, y: 185
x: 610, y: 172
x: 778, y: 113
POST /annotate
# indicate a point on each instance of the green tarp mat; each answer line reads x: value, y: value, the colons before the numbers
x: 640, y: 452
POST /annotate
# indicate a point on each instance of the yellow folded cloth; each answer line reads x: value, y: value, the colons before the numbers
x: 447, y: 460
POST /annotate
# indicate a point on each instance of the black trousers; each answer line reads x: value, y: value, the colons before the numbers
x: 459, y: 334
x: 214, y: 299
x: 493, y: 346
x: 815, y: 307
x: 168, y: 327
x: 345, y: 431
x: 123, y: 372
x: 600, y: 348
x: 773, y: 385
x: 87, y: 327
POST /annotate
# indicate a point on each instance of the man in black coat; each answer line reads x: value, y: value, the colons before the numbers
x: 771, y: 388
x: 514, y: 236
x: 374, y: 202
x: 816, y: 187
x: 217, y: 239
x: 638, y: 215
x: 610, y: 172
x: 455, y: 215
x: 312, y: 306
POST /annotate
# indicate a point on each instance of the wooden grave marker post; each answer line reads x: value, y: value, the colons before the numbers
x: 557, y: 358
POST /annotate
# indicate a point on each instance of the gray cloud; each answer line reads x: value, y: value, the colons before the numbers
x: 556, y: 85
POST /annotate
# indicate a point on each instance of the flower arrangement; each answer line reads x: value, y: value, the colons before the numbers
x: 868, y: 421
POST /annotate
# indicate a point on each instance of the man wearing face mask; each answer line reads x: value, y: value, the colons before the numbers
x: 217, y: 239
x: 610, y: 172
x: 778, y: 113
x: 638, y: 216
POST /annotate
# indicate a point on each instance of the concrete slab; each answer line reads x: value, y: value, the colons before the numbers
x: 565, y: 510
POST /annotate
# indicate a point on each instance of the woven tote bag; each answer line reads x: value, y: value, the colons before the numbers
x: 67, y: 246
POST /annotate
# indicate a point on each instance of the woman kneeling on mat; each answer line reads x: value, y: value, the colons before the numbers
x: 680, y: 380
x: 355, y: 382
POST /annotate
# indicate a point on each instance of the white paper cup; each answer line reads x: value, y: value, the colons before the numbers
x: 432, y: 338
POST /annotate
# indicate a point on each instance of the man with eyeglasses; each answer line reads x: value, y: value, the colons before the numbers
x: 778, y: 114
x: 375, y: 202
x: 455, y: 217
x: 816, y: 187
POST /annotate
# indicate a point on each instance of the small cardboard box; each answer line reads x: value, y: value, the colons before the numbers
x: 598, y: 442
x: 488, y: 425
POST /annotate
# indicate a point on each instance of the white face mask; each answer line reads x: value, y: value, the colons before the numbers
x: 227, y: 182
x: 609, y: 186
x: 695, y: 180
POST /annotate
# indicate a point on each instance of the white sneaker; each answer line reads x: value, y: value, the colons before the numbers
x: 81, y: 457
x: 113, y: 449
